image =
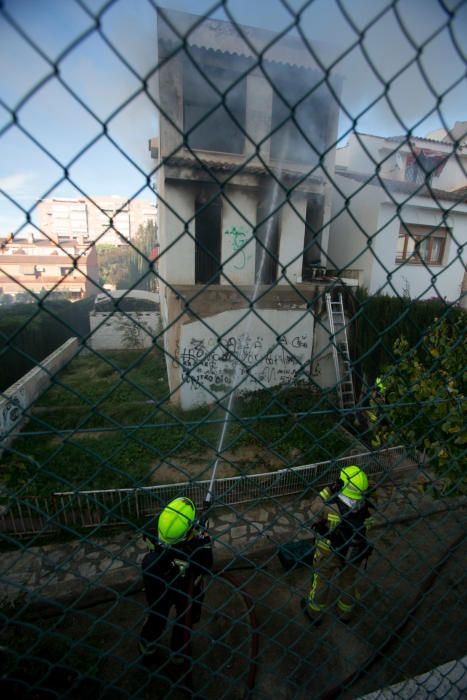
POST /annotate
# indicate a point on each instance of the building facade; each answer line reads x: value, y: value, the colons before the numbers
x: 244, y: 199
x: 104, y: 220
x: 28, y: 265
x: 400, y: 216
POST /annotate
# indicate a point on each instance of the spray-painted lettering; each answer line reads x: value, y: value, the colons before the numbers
x: 239, y: 241
x: 246, y: 357
x: 12, y: 411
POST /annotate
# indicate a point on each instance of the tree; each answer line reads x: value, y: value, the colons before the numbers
x: 130, y: 266
x: 141, y: 267
x: 424, y: 406
x: 113, y: 263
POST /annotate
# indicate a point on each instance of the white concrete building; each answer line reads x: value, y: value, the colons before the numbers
x: 105, y: 220
x: 29, y: 265
x: 400, y: 216
x: 244, y: 202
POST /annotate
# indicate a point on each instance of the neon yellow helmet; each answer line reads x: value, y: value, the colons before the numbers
x: 355, y: 482
x: 176, y: 521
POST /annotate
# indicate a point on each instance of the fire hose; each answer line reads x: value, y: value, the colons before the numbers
x: 254, y: 642
x: 394, y: 635
x: 247, y: 601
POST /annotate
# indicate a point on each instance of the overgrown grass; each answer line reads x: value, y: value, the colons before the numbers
x: 107, y: 423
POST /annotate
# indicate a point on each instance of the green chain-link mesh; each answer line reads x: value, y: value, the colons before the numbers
x: 303, y: 312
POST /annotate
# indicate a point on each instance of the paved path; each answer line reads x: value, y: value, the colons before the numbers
x: 83, y: 598
x: 94, y: 567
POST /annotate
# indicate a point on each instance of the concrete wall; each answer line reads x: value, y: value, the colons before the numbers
x: 362, y: 154
x: 18, y: 398
x: 177, y: 246
x: 251, y: 357
x: 283, y: 322
x: 169, y: 95
x: 204, y: 370
x: 238, y: 243
x: 292, y: 239
x: 258, y: 114
x: 453, y: 173
x: 117, y: 331
x: 353, y: 222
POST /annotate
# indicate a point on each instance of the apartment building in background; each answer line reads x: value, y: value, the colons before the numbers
x: 400, y: 214
x: 104, y: 220
x: 29, y: 265
x: 243, y: 157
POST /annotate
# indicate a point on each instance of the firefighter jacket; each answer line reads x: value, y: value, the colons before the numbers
x: 175, y: 568
x: 342, y: 524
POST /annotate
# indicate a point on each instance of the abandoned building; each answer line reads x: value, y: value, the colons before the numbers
x: 248, y: 126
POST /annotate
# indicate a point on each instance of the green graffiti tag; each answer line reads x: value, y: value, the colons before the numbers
x: 239, y: 241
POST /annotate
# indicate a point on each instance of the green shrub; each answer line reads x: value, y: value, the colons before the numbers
x: 379, y: 320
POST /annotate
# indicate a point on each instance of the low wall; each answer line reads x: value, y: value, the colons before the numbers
x: 17, y: 399
x: 123, y: 330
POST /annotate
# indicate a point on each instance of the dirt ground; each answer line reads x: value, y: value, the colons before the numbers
x: 246, y: 459
x: 93, y: 651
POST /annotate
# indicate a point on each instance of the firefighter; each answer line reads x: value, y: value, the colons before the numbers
x: 343, y: 518
x: 379, y: 388
x: 180, y: 552
x: 377, y: 400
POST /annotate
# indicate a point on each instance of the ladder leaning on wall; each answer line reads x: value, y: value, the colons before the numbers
x: 340, y: 351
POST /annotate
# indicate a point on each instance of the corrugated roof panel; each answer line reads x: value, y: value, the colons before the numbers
x: 175, y: 28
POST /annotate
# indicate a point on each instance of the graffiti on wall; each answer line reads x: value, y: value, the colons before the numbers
x: 245, y: 359
x: 12, y: 411
x: 239, y: 239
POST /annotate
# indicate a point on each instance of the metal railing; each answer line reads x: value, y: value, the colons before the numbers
x: 87, y: 509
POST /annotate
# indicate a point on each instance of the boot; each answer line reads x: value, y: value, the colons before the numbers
x: 315, y: 621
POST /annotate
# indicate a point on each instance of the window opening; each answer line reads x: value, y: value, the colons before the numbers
x: 303, y: 123
x: 417, y: 244
x: 208, y: 227
x: 216, y: 130
x: 313, y: 235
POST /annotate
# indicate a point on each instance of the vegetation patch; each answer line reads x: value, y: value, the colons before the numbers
x: 107, y: 422
x: 379, y: 320
x: 30, y: 332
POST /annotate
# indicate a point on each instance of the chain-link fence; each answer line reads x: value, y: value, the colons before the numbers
x: 267, y: 322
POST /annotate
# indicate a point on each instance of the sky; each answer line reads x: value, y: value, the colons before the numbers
x: 403, y: 66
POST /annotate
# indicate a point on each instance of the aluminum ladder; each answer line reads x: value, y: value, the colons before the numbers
x: 340, y: 351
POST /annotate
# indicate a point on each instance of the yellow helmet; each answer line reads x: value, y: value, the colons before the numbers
x: 355, y: 482
x: 176, y: 521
